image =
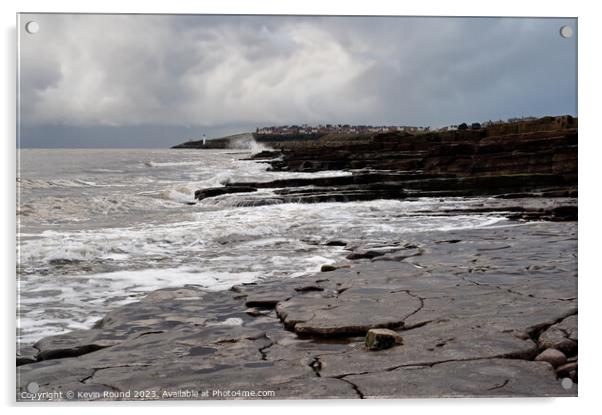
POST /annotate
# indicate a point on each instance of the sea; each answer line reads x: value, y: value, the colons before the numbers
x: 99, y: 228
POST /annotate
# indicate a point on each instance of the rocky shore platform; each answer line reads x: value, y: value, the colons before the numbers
x: 487, y: 312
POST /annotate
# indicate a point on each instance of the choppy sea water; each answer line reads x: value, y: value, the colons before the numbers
x: 100, y: 228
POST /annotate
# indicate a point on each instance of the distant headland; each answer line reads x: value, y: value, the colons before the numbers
x: 278, y: 136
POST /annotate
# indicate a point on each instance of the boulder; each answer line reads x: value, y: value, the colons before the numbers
x: 556, y: 338
x: 553, y: 356
x: 379, y: 339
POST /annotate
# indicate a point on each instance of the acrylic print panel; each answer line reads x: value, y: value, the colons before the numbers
x: 296, y: 207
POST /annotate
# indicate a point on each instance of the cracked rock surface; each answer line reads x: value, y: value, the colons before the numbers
x: 474, y: 308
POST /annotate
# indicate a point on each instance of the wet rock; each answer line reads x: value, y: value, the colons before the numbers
x: 74, y: 344
x: 482, y: 378
x: 333, y: 267
x: 554, y: 357
x: 218, y: 191
x: 253, y: 312
x: 561, y: 336
x: 340, y: 194
x: 262, y: 302
x: 364, y: 255
x: 399, y: 255
x: 356, y: 179
x: 352, y: 313
x: 565, y: 213
x: 529, y: 149
x: 569, y: 326
x: 173, y: 294
x: 361, y: 186
x: 266, y: 154
x: 309, y: 288
x: 264, y: 295
x: 26, y: 354
x: 566, y: 369
x: 63, y: 261
x: 429, y: 344
x: 336, y: 243
x: 379, y: 339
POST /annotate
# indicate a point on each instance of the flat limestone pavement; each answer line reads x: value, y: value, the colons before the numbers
x: 474, y: 308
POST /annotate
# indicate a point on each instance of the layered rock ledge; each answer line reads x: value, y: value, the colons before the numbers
x: 475, y: 308
x: 544, y: 146
x: 528, y: 159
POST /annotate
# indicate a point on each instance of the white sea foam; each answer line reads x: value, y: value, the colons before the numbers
x: 172, y: 163
x: 242, y: 231
x: 40, y: 183
x: 232, y: 321
x: 86, y: 298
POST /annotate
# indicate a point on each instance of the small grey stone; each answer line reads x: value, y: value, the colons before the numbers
x: 554, y: 357
x: 253, y: 312
x: 379, y: 339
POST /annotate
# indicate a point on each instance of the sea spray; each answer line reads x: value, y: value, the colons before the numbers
x: 248, y: 142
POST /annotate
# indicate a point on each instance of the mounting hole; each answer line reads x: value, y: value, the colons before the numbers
x: 32, y: 27
x: 33, y: 387
x: 566, y: 32
x: 566, y: 383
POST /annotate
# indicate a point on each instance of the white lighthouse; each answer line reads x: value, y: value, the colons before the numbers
x: 204, y: 139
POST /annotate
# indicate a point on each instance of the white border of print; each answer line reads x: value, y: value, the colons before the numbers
x: 590, y: 149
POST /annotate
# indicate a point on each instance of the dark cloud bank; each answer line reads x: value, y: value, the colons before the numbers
x: 152, y: 81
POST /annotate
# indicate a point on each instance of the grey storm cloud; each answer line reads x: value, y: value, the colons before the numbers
x: 214, y: 71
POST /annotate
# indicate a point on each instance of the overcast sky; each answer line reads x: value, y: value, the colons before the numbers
x: 154, y: 81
